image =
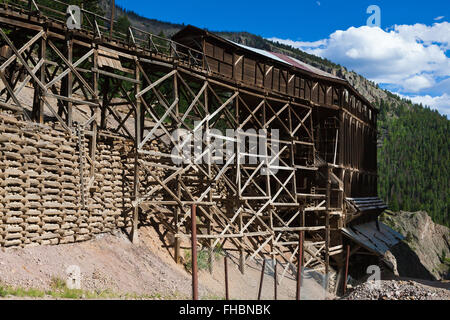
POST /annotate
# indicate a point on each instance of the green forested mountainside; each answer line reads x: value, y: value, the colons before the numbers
x: 413, y: 160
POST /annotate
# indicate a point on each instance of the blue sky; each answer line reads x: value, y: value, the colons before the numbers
x: 409, y: 55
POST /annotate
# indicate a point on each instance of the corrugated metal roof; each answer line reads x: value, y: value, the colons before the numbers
x: 287, y: 60
x: 301, y: 65
x: 366, y: 204
x: 259, y: 51
x: 369, y: 237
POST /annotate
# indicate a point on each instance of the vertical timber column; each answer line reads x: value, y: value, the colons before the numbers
x: 227, y: 291
x: 347, y: 259
x: 113, y: 13
x: 105, y: 102
x: 271, y: 208
x: 275, y: 281
x: 241, y: 249
x: 327, y: 228
x: 299, y: 265
x: 138, y: 138
x: 66, y: 84
x: 237, y: 204
x: 69, y: 79
x: 177, y: 211
x: 194, y: 252
x: 210, y: 195
x: 272, y: 253
x: 94, y: 126
x: 341, y: 137
x: 38, y: 104
x: 95, y: 74
x: 341, y: 158
x: 261, y: 280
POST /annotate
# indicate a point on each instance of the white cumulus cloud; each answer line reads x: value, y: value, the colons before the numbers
x: 417, y: 83
x: 440, y: 103
x: 411, y: 59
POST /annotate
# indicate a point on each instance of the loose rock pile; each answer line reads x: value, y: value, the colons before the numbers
x: 396, y: 290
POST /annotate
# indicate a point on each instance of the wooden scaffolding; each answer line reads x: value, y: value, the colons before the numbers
x: 140, y: 89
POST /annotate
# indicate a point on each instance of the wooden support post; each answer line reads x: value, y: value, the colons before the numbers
x: 299, y: 265
x: 347, y: 260
x: 95, y: 74
x: 237, y: 201
x: 241, y: 249
x: 177, y: 244
x: 81, y: 14
x: 138, y: 137
x: 65, y: 108
x: 194, y: 252
x: 327, y: 230
x: 135, y: 222
x: 69, y: 80
x: 177, y: 211
x: 210, y: 177
x: 93, y: 147
x: 38, y: 103
x: 275, y: 280
x: 227, y: 293
x: 261, y: 281
x: 210, y: 248
x: 105, y: 91
x: 341, y: 138
x: 113, y: 13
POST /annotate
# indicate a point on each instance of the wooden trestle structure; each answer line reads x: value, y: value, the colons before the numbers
x: 140, y: 88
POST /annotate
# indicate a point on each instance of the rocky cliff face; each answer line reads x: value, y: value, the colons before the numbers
x: 425, y: 253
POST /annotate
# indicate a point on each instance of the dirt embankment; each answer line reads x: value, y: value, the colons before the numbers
x: 425, y: 254
x: 110, y: 262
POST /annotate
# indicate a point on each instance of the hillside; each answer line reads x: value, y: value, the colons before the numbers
x: 113, y: 268
x: 413, y: 155
x: 413, y: 160
x: 425, y: 252
x: 150, y: 25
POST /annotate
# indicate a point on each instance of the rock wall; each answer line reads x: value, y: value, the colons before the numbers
x: 426, y: 251
x: 40, y: 186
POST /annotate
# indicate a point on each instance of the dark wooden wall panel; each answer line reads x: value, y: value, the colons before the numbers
x: 238, y: 67
x: 213, y: 64
x: 269, y: 78
x: 209, y: 49
x: 249, y: 70
x: 276, y: 79
x: 260, y: 74
x: 283, y: 81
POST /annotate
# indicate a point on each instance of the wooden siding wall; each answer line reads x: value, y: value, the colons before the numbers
x: 266, y: 75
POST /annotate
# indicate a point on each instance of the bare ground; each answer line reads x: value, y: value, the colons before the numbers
x: 111, y: 262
